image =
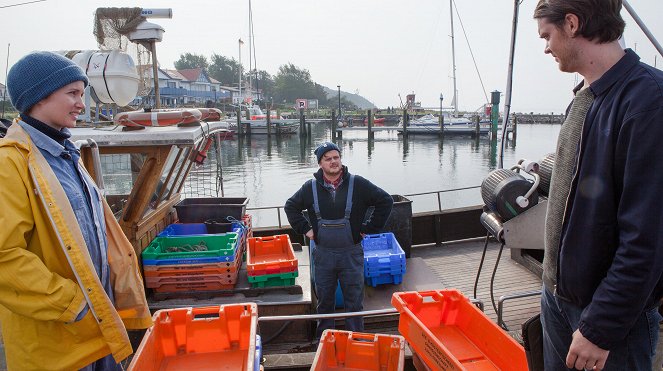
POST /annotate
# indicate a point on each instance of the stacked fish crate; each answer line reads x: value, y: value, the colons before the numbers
x: 384, y: 259
x: 191, y: 257
x: 271, y: 261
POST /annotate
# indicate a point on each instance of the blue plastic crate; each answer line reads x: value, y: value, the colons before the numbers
x: 382, y: 248
x: 339, y: 297
x: 379, y: 272
x: 188, y: 229
x: 384, y: 279
x: 258, y: 357
x: 377, y: 261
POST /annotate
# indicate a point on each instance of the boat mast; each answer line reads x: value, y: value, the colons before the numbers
x: 251, y: 56
x: 453, y: 59
x: 239, y: 86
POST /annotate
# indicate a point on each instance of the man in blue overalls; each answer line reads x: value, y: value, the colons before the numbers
x: 337, y: 203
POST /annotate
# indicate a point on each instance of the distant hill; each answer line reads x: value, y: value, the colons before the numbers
x: 358, y: 100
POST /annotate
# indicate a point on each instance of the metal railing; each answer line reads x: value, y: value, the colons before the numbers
x: 437, y: 193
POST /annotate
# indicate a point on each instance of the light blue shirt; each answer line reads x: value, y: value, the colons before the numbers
x: 84, y: 198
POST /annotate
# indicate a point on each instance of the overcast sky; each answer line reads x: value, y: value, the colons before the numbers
x: 375, y: 48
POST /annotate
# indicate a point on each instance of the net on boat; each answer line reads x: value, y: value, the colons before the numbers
x: 206, y: 180
x: 111, y: 27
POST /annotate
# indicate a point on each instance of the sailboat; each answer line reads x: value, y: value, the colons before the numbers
x: 429, y: 124
x: 256, y: 122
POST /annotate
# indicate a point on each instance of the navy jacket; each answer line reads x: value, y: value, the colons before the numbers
x: 365, y: 195
x: 611, y: 249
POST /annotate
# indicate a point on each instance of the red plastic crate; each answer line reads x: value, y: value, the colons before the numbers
x: 273, y: 270
x: 347, y: 350
x: 169, y: 271
x: 247, y: 220
x: 225, y: 279
x: 271, y: 253
x: 207, y: 338
x: 448, y: 332
x: 193, y: 286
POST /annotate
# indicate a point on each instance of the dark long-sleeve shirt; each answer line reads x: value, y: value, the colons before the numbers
x: 332, y: 205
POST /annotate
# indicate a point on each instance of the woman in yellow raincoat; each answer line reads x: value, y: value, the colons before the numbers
x: 70, y: 286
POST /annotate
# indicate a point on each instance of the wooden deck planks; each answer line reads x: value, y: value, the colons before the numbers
x: 456, y: 267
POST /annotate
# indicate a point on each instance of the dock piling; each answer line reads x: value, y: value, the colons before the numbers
x: 269, y: 123
x: 441, y: 119
x: 406, y: 119
x: 334, y: 124
x: 514, y: 130
x: 239, y: 122
x: 477, y: 126
x: 302, y: 123
x: 369, y: 120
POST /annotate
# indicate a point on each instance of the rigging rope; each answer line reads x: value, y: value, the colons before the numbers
x: 471, y: 53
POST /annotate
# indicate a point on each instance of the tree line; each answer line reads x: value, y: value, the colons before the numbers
x: 289, y: 83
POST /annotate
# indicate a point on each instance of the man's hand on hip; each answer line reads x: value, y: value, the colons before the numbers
x: 584, y: 355
x: 310, y: 234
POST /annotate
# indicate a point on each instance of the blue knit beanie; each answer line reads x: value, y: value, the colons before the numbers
x: 324, y: 148
x: 37, y: 75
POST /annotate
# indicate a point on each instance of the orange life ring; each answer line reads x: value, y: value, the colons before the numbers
x: 158, y: 118
x: 210, y: 114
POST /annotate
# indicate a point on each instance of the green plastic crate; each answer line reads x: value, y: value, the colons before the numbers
x: 271, y: 280
x: 184, y: 247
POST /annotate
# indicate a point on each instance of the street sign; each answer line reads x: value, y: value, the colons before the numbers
x: 301, y: 104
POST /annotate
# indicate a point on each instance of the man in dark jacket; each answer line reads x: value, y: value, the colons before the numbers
x: 603, y: 261
x: 337, y: 202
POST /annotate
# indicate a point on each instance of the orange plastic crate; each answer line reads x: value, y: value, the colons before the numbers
x: 208, y: 338
x: 347, y: 350
x: 449, y: 333
x: 226, y: 279
x: 193, y: 286
x: 271, y: 253
x: 190, y: 270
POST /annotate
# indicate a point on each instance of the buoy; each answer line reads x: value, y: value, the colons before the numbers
x: 158, y: 118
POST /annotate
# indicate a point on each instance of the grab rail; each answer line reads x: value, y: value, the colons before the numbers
x: 438, y: 193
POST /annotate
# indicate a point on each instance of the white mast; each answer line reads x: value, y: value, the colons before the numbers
x: 239, y: 101
x: 251, y: 56
x: 453, y: 59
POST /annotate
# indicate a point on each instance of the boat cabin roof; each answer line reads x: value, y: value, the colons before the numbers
x: 147, y: 136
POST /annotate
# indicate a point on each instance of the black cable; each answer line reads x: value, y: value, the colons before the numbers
x: 276, y: 334
x: 492, y: 278
x: 483, y: 256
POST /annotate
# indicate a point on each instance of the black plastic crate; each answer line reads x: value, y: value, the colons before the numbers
x: 199, y: 210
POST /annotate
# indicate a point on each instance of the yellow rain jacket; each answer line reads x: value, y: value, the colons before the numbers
x: 47, y: 276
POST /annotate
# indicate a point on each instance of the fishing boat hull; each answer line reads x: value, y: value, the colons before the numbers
x: 259, y: 127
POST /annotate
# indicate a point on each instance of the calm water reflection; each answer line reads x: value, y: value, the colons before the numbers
x: 268, y: 171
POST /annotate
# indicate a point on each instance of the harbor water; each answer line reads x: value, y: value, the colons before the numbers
x: 269, y: 170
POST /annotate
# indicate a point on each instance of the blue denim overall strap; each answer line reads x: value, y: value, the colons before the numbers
x: 348, y: 201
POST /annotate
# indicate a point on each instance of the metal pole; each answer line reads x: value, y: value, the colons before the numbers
x: 339, y: 101
x: 453, y: 57
x: 334, y: 125
x: 643, y: 27
x: 155, y: 72
x: 4, y: 92
x: 441, y: 117
x: 304, y: 317
x: 509, y: 80
x: 239, y: 98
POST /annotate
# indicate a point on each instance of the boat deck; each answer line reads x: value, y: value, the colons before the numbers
x: 456, y: 265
